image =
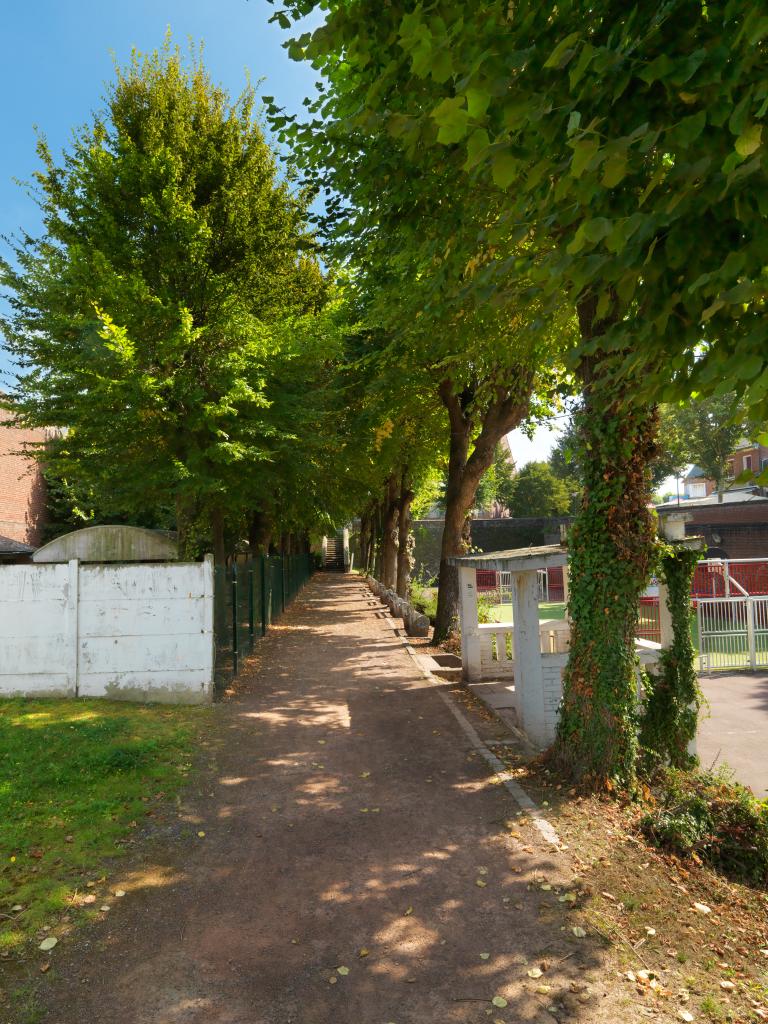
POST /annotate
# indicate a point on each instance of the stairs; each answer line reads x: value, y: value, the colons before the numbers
x: 334, y: 555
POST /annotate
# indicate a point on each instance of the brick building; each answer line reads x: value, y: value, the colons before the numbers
x: 736, y: 527
x: 22, y: 489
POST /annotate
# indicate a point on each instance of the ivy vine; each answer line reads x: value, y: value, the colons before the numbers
x: 673, y: 697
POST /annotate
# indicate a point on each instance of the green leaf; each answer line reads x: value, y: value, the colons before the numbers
x: 689, y: 129
x: 749, y: 140
x: 477, y: 145
x: 477, y: 102
x: 561, y: 53
x: 749, y: 367
x: 615, y: 169
x: 504, y: 169
x: 442, y: 65
x: 452, y: 120
x: 583, y: 152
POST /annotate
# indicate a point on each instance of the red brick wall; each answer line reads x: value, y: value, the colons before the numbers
x: 22, y: 490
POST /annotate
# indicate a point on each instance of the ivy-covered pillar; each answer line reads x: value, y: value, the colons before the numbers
x: 672, y: 695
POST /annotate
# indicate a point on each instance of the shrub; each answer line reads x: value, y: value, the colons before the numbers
x: 711, y: 817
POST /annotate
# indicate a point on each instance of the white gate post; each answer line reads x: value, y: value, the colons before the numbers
x: 470, y: 634
x: 73, y: 625
x: 529, y: 677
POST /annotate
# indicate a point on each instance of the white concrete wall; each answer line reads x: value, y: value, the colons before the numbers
x: 128, y: 632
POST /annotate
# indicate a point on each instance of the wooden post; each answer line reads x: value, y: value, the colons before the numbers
x: 470, y: 634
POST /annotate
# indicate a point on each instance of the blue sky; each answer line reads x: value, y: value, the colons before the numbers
x: 55, y: 59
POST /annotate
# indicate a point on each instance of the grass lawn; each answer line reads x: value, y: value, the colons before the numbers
x: 550, y: 610
x: 77, y: 778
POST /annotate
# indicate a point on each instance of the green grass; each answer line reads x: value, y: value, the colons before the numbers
x: 551, y: 610
x: 76, y: 779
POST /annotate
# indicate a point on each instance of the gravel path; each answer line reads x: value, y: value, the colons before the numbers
x: 355, y: 868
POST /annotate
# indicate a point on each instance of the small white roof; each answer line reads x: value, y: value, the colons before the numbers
x: 515, y: 559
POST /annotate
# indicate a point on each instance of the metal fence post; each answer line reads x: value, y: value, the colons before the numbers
x: 282, y: 583
x: 234, y: 619
x: 250, y: 603
x: 263, y: 595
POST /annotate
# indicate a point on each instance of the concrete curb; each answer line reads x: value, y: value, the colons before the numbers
x: 516, y: 791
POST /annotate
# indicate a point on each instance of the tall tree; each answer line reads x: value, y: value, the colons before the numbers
x: 143, y: 315
x: 536, y: 491
x: 709, y: 429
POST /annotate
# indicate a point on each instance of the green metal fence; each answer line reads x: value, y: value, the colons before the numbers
x: 249, y: 595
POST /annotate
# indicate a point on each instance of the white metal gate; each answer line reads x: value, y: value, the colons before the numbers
x: 733, y: 632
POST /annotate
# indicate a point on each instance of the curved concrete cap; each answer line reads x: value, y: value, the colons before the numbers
x: 109, y: 544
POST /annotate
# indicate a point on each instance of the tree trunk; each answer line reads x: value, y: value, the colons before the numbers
x: 464, y: 475
x: 185, y: 515
x: 259, y: 532
x: 611, y: 549
x: 365, y: 533
x: 389, y: 533
x: 217, y: 536
x: 403, y: 537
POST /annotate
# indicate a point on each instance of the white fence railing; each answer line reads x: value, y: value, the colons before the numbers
x: 733, y: 632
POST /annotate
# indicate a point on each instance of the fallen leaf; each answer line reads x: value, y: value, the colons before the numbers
x: 482, y: 871
x: 363, y: 952
x: 546, y: 887
x: 567, y: 897
x: 578, y: 932
x: 119, y: 893
x: 685, y: 1015
x: 479, y: 882
x: 48, y: 943
x: 16, y: 908
x: 535, y: 972
x: 485, y: 956
x: 365, y: 775
x: 105, y: 908
x: 499, y: 1001
x: 650, y: 931
x: 727, y: 986
x: 408, y: 912
x: 44, y: 968
x: 702, y: 908
x: 201, y: 834
x: 543, y: 989
x: 332, y: 980
x: 343, y: 971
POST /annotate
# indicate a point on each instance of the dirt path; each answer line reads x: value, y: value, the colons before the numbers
x: 345, y: 813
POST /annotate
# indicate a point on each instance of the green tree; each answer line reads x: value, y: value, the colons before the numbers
x: 496, y: 486
x: 145, y: 314
x: 537, y: 491
x: 709, y: 428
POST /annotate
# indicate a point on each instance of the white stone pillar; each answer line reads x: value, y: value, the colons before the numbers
x: 345, y: 541
x: 470, y: 634
x: 529, y: 680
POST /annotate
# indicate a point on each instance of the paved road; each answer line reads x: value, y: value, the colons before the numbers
x: 346, y: 825
x: 737, y: 730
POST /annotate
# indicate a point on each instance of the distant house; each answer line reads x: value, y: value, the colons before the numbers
x: 22, y: 491
x: 696, y: 485
x: 745, y: 457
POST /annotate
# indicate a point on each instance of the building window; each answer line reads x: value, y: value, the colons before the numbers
x: 730, y: 469
x: 747, y: 462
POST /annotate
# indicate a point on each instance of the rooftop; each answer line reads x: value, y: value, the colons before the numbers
x: 515, y: 559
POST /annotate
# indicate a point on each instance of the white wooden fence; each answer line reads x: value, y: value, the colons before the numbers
x: 130, y: 632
